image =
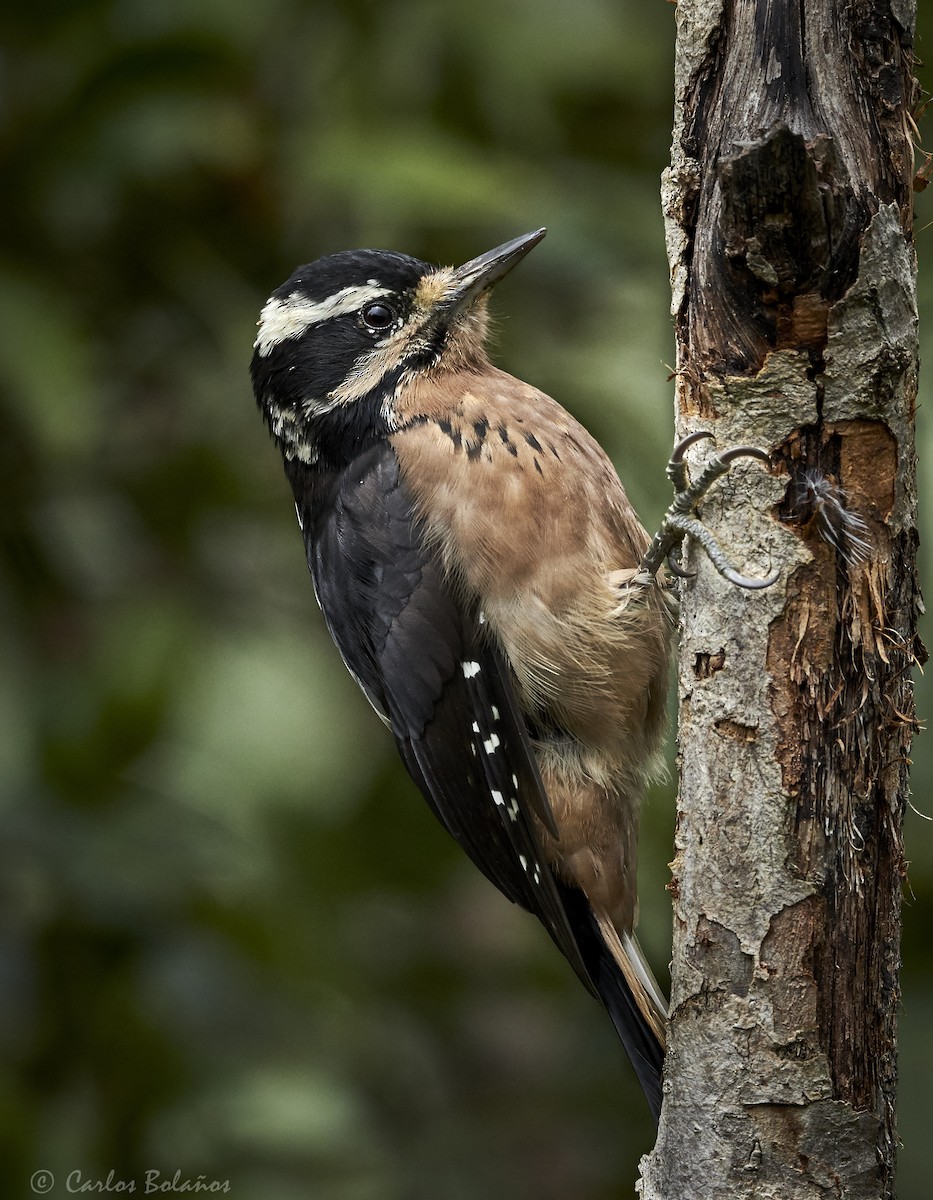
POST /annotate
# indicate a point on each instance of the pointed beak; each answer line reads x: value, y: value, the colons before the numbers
x: 469, y: 282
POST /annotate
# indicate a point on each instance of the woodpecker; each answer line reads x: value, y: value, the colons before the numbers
x: 488, y: 584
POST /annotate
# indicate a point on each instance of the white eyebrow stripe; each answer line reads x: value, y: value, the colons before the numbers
x: 289, y: 318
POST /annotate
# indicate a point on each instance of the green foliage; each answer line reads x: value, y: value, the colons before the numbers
x: 235, y: 942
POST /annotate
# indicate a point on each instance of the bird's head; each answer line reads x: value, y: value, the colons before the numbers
x: 341, y: 338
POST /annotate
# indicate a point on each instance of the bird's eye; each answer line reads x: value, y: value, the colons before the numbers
x: 378, y: 316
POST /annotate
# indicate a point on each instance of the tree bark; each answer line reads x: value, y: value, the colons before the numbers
x: 789, y: 235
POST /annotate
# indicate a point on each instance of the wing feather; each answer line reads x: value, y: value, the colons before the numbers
x: 429, y: 667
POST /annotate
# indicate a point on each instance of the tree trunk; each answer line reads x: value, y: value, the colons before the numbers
x: 789, y: 235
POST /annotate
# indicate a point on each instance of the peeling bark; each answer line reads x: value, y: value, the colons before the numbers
x: 788, y: 226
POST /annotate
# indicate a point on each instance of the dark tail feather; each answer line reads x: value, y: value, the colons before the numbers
x: 640, y: 1040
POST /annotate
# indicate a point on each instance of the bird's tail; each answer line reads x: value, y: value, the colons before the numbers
x: 623, y: 981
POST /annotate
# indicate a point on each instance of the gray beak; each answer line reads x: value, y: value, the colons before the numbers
x: 479, y: 274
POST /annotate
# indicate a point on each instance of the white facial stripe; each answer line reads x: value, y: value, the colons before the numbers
x: 289, y: 318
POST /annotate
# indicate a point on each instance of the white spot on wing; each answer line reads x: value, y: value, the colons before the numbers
x: 491, y: 743
x: 498, y: 797
x: 470, y: 669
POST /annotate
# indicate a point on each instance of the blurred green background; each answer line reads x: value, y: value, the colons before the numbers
x: 234, y: 941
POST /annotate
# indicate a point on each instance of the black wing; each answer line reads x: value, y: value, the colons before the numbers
x: 429, y: 668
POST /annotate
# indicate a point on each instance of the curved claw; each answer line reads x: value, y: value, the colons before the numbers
x: 735, y: 452
x: 677, y: 454
x: 746, y: 581
x: 691, y: 527
x: 678, y: 522
x: 679, y: 571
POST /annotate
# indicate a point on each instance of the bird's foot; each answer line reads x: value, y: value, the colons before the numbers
x: 680, y: 520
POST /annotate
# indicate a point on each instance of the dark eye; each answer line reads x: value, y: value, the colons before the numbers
x: 378, y: 316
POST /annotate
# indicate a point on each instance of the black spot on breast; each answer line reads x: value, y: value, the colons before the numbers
x: 507, y: 441
x: 533, y: 442
x: 414, y: 422
x: 538, y: 467
x: 454, y: 434
x: 480, y: 429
